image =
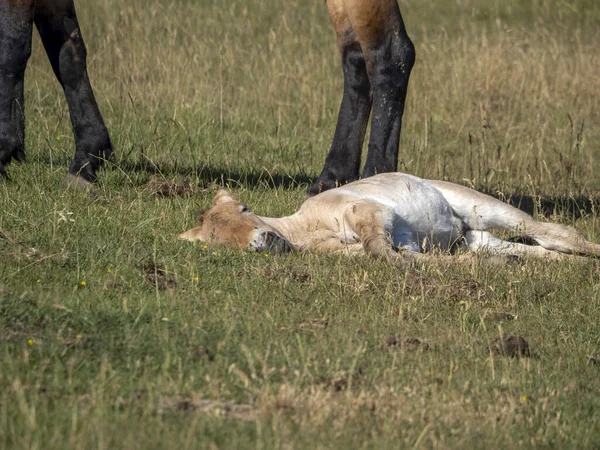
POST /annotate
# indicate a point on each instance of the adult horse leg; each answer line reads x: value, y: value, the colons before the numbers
x: 389, y: 56
x: 343, y: 160
x: 16, y: 19
x: 377, y: 57
x: 57, y: 24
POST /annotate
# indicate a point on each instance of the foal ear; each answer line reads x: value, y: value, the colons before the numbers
x: 222, y: 197
x: 195, y: 234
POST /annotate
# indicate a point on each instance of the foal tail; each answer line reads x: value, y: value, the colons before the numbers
x: 482, y: 212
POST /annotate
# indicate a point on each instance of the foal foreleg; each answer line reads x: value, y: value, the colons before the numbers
x: 372, y: 224
x: 15, y: 48
x: 57, y: 23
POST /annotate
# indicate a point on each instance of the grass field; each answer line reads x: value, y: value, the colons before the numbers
x: 115, y: 335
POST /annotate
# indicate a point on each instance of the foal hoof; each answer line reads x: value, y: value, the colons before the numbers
x: 17, y: 155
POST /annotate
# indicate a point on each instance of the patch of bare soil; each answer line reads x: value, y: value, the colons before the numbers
x: 156, y: 275
x: 467, y: 289
x: 220, y: 408
x: 203, y: 354
x: 161, y: 187
x: 408, y: 343
x: 420, y: 284
x: 511, y: 346
x: 337, y: 383
x: 498, y: 316
x: 15, y: 332
x: 314, y: 324
x: 116, y: 284
x: 341, y: 380
x: 12, y: 248
x: 297, y: 274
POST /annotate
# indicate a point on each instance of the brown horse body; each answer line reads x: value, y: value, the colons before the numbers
x: 377, y: 57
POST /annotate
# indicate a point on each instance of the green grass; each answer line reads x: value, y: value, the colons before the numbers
x: 228, y: 349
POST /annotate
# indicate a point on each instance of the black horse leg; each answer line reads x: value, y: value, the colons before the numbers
x: 57, y: 24
x: 343, y: 160
x: 390, y: 58
x: 15, y: 48
x: 377, y: 57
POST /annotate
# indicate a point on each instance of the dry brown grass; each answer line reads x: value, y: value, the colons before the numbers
x: 169, y: 344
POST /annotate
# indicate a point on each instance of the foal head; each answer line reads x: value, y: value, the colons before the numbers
x: 230, y: 223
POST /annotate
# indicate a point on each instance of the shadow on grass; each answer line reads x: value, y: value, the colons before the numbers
x: 220, y: 175
x: 573, y: 207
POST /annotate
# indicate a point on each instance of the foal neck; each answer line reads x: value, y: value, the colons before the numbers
x: 290, y: 228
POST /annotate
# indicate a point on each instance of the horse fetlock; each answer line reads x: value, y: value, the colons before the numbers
x: 11, y: 148
x: 94, y: 145
x: 89, y: 156
x: 330, y: 179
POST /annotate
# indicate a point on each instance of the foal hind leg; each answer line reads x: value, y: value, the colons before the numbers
x: 15, y: 48
x: 484, y: 241
x: 343, y: 160
x: 57, y: 24
x: 389, y: 55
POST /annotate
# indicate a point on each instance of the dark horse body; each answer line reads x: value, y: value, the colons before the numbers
x: 57, y: 24
x: 377, y: 57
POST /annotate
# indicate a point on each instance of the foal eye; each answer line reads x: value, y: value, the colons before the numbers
x: 244, y: 209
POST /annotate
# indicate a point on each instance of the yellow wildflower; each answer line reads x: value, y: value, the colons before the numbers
x: 31, y: 342
x: 79, y: 336
x: 58, y: 138
x: 196, y: 279
x: 82, y: 283
x: 38, y: 281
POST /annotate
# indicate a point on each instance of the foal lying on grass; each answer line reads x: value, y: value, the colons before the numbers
x: 393, y: 215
